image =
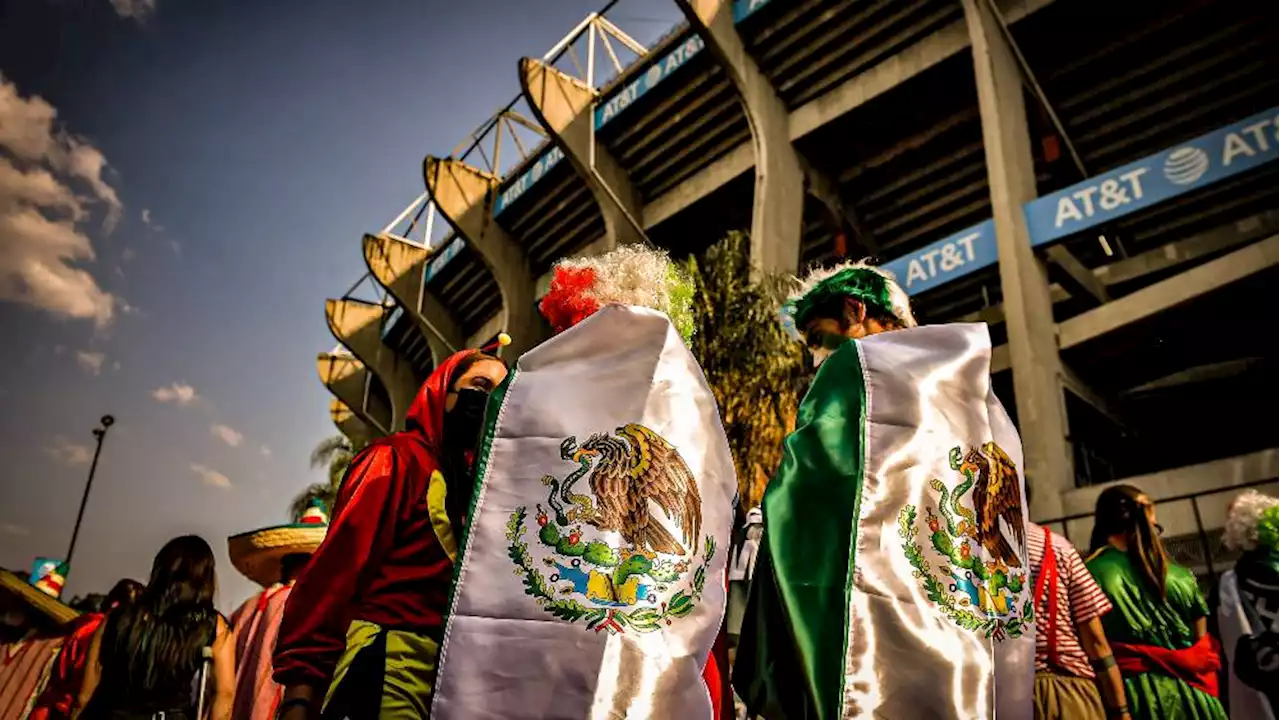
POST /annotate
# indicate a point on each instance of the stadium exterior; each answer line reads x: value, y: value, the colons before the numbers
x: 1095, y: 180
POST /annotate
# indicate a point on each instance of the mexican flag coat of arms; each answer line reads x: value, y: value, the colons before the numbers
x: 591, y: 582
x: 893, y: 580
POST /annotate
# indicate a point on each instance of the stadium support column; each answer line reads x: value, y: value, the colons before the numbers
x: 348, y: 379
x: 464, y: 195
x: 564, y: 105
x: 400, y: 267
x: 345, y: 419
x: 777, y: 215
x: 358, y: 326
x: 1028, y: 309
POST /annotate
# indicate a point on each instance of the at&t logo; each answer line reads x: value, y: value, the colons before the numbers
x: 1186, y: 165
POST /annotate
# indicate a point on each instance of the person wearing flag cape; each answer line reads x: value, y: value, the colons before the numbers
x: 892, y: 581
x: 592, y: 582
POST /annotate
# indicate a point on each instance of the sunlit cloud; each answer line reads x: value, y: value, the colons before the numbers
x: 177, y: 393
x: 91, y: 362
x: 227, y: 435
x: 134, y: 9
x: 211, y: 477
x: 69, y: 453
x: 42, y: 245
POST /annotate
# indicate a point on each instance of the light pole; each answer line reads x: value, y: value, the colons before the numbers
x: 100, y: 433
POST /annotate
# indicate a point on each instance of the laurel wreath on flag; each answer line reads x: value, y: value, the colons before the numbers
x: 967, y: 619
x: 615, y: 620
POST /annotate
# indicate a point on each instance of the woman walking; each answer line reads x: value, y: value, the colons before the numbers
x: 146, y: 659
x: 1159, y: 628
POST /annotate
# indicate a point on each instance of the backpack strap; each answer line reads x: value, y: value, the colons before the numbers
x: 1048, y: 577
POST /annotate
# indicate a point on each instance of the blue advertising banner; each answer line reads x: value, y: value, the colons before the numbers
x: 391, y: 320
x: 743, y: 9
x: 521, y: 185
x: 658, y: 72
x: 1192, y: 165
x: 950, y: 258
x: 437, y: 264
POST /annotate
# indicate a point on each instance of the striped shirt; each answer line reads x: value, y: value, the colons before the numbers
x: 24, y: 667
x: 1079, y: 601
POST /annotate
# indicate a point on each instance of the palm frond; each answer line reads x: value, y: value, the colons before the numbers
x: 338, y: 465
x: 755, y: 371
x: 324, y: 452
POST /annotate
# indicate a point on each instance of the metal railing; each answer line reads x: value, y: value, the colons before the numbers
x: 1182, y: 548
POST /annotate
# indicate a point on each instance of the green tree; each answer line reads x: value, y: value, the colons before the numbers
x: 754, y: 369
x: 334, y: 454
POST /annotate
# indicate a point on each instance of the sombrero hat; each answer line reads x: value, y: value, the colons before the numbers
x: 258, y: 554
x: 25, y: 592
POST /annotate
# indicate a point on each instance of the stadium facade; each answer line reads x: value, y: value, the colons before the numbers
x: 1095, y: 180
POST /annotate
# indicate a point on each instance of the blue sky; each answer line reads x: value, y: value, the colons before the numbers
x: 204, y: 172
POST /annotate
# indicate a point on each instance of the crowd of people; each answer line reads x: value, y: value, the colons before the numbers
x: 464, y: 574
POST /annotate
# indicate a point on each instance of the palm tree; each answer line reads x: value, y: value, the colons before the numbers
x: 334, y: 453
x: 755, y: 371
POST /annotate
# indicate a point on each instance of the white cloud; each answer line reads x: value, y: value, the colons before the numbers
x: 12, y: 529
x: 177, y: 247
x: 90, y: 362
x: 227, y: 435
x: 41, y: 243
x: 134, y: 9
x: 69, y: 453
x: 266, y: 451
x: 146, y: 216
x: 209, y: 476
x: 179, y: 393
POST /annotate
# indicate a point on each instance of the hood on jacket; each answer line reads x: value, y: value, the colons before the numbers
x: 426, y: 414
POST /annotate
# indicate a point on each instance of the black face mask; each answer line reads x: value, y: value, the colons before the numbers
x: 462, y: 424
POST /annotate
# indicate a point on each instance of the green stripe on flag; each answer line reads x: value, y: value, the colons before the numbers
x: 811, y: 514
x: 492, y: 413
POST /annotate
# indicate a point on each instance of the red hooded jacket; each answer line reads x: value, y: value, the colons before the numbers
x: 381, y: 561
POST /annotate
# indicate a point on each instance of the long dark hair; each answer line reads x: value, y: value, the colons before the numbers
x: 1120, y: 512
x: 157, y: 642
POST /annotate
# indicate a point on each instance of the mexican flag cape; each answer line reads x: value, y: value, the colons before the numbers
x: 893, y: 578
x: 592, y: 579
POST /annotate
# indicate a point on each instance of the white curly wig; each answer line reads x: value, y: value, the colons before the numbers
x: 629, y: 275
x: 1244, y: 520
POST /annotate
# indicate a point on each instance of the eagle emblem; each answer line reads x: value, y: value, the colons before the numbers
x: 974, y: 567
x: 619, y: 539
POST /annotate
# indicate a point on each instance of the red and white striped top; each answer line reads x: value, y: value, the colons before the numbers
x: 1079, y: 601
x: 24, y: 668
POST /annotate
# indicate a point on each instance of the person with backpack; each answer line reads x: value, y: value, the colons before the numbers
x: 148, y: 658
x: 1076, y: 673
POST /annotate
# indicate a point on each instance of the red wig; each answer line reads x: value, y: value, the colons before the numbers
x: 568, y: 302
